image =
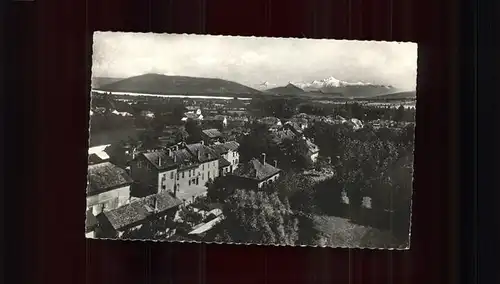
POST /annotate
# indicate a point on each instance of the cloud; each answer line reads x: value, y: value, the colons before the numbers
x: 252, y: 60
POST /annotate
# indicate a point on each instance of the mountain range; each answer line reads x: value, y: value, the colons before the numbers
x: 347, y: 89
x: 166, y: 84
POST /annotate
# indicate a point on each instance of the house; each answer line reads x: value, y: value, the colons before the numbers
x: 121, y: 113
x: 147, y: 113
x: 208, y: 162
x: 108, y: 187
x: 137, y: 215
x: 182, y: 170
x: 256, y: 173
x: 210, y: 136
x: 282, y: 134
x: 194, y: 115
x: 98, y: 154
x: 238, y: 121
x: 311, y: 150
x: 271, y: 122
x: 217, y: 121
x: 162, y: 170
x: 229, y: 156
x: 297, y: 125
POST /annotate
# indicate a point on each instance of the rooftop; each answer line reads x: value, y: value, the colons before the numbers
x: 128, y: 215
x: 106, y: 176
x: 137, y: 211
x: 212, y: 133
x: 202, y: 228
x: 202, y: 152
x: 223, y: 148
x: 166, y: 159
x: 255, y: 169
x: 223, y: 162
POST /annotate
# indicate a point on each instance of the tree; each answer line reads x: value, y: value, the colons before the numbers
x: 258, y: 217
x: 194, y: 131
x: 399, y: 115
x: 218, y: 190
x: 117, y: 155
x: 256, y: 142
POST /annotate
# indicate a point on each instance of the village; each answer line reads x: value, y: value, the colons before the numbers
x: 164, y: 189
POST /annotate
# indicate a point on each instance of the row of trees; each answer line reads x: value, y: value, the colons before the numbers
x: 284, y: 108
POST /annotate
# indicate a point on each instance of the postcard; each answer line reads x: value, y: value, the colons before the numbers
x: 251, y: 140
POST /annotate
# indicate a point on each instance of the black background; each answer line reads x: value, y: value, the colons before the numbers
x: 48, y: 79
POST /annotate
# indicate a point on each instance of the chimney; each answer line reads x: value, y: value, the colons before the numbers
x: 263, y: 158
x: 169, y: 152
x: 276, y: 163
x: 159, y: 161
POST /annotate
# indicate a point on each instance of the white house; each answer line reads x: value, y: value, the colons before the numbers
x: 108, y: 187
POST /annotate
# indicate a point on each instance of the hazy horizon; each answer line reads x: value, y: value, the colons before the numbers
x: 253, y: 60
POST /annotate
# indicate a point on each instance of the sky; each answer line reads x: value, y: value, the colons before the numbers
x: 254, y: 60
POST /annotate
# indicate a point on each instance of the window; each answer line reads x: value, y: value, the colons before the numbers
x: 189, y: 173
x: 177, y: 176
x: 171, y: 175
x: 203, y: 176
x: 214, y: 163
x: 189, y: 182
x: 209, y: 166
x: 203, y: 167
x: 208, y: 174
x: 183, y: 174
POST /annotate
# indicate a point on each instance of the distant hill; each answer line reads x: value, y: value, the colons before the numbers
x: 289, y: 89
x: 398, y: 95
x: 101, y: 81
x: 163, y: 84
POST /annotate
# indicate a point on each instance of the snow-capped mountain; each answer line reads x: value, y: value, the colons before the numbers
x: 348, y: 89
x: 329, y: 82
x: 265, y: 85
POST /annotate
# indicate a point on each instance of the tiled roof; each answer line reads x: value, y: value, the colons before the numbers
x: 178, y: 158
x: 269, y: 120
x: 164, y: 201
x: 223, y: 148
x: 231, y: 145
x: 254, y: 169
x: 223, y: 163
x: 106, y: 176
x: 282, y: 134
x: 128, y: 215
x: 202, y: 152
x: 138, y: 211
x: 212, y: 133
